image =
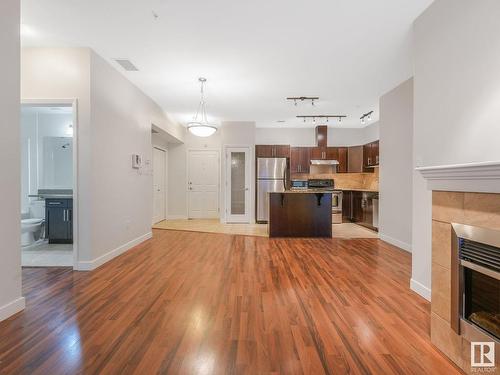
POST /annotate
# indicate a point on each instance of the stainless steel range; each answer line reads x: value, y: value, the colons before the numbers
x: 329, y: 185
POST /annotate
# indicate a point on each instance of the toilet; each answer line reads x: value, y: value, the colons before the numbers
x: 31, y: 230
x: 32, y: 222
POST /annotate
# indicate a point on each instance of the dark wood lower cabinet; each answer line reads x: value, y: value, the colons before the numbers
x: 300, y: 214
x: 59, y: 220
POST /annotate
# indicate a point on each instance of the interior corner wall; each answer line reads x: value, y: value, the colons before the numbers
x: 121, y: 119
x: 396, y: 165
x: 114, y: 122
x: 64, y: 73
x: 11, y: 300
x: 456, y: 96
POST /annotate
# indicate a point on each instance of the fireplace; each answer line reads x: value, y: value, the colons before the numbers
x: 475, y: 283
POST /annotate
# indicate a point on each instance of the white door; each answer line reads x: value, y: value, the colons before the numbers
x: 159, y: 184
x: 203, y: 184
x: 238, y: 184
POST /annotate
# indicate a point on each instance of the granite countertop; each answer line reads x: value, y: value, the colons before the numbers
x: 308, y: 191
x: 350, y: 189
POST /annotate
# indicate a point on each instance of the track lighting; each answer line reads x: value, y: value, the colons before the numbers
x: 366, y: 117
x: 303, y: 98
x: 327, y: 117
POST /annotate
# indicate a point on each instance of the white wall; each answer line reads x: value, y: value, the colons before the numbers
x: 114, y: 121
x: 11, y: 300
x: 306, y: 136
x: 396, y: 165
x: 229, y: 133
x: 456, y: 96
x: 121, y: 118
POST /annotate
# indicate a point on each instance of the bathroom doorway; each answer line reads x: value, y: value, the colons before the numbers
x: 48, y: 183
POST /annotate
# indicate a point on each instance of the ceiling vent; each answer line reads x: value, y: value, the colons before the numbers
x: 127, y: 65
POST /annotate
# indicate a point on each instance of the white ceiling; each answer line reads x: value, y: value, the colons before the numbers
x: 253, y: 53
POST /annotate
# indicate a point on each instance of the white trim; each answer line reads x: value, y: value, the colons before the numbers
x: 165, y: 214
x: 73, y: 102
x: 226, y: 217
x: 12, y: 308
x: 402, y: 245
x: 93, y: 264
x: 481, y: 177
x: 420, y: 289
x: 177, y: 217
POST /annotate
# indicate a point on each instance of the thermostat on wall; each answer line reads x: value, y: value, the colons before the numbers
x: 136, y: 161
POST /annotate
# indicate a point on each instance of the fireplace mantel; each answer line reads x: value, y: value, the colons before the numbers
x: 483, y: 177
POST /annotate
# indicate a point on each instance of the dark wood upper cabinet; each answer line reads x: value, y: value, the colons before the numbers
x: 375, y: 152
x: 299, y: 160
x: 343, y: 159
x: 281, y: 151
x: 264, y: 151
x: 317, y: 153
x: 332, y: 153
x: 272, y: 151
x: 355, y: 159
x: 321, y: 135
x: 370, y: 156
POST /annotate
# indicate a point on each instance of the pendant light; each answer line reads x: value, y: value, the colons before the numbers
x: 201, y: 127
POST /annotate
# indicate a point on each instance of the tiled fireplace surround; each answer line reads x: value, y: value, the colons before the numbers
x: 477, y: 209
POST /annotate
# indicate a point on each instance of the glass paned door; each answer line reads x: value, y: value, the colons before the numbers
x: 238, y: 185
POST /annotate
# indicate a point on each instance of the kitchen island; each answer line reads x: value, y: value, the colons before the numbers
x: 295, y: 213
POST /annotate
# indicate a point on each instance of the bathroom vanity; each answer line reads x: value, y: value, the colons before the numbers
x: 59, y: 220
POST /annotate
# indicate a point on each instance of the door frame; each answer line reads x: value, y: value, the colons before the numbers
x: 73, y: 103
x: 165, y: 214
x: 227, y: 184
x: 217, y: 150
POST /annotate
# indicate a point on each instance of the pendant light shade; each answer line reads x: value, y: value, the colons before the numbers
x: 201, y: 130
x: 200, y: 126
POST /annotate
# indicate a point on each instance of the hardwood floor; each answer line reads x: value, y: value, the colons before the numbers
x: 201, y: 303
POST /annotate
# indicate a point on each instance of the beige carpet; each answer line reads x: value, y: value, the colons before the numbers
x: 345, y: 230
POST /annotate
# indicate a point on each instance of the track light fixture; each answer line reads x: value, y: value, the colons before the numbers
x: 366, y: 117
x: 296, y: 99
x: 327, y: 117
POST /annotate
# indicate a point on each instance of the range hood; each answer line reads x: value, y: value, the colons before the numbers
x: 324, y: 162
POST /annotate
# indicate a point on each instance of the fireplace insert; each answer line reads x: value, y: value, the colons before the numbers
x: 476, y: 254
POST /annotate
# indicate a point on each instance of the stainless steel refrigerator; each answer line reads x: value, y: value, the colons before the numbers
x: 271, y: 177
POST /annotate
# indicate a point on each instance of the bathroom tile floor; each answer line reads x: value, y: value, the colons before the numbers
x: 43, y: 254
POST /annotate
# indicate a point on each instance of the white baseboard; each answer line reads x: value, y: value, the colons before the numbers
x: 402, y: 245
x: 93, y: 264
x: 177, y: 217
x: 12, y: 307
x: 420, y: 289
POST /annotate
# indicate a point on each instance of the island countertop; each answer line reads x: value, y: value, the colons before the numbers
x: 303, y: 191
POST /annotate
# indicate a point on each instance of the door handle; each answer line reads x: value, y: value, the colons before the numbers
x: 64, y: 215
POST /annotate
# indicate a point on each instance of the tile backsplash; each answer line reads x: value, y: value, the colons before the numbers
x: 368, y: 181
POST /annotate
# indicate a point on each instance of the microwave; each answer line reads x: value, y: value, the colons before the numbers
x: 298, y: 184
